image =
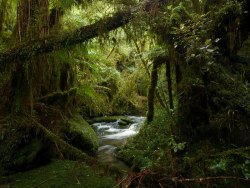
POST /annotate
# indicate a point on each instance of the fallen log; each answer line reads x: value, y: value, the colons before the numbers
x: 27, y: 50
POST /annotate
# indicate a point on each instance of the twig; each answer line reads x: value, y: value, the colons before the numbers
x: 203, y: 179
x: 161, y: 185
x: 44, y: 181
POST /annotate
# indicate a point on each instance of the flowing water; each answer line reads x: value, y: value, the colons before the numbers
x: 111, y: 135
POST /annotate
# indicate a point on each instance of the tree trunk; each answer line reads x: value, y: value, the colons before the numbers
x: 168, y: 76
x: 151, y: 91
x: 178, y: 77
x: 32, y: 17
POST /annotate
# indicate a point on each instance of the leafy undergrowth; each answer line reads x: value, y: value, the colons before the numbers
x: 58, y: 174
x: 147, y: 148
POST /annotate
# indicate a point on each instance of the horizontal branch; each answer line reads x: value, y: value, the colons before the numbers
x: 27, y: 50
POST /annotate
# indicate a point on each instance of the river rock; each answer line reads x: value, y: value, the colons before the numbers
x: 127, y: 120
x: 106, y: 119
x: 123, y: 124
x: 81, y: 135
x: 111, y: 119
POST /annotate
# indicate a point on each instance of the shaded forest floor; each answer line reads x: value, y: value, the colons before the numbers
x: 58, y: 173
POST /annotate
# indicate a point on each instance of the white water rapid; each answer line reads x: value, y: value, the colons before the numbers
x: 111, y: 135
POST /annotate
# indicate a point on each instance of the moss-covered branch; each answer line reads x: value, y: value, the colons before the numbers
x: 27, y: 50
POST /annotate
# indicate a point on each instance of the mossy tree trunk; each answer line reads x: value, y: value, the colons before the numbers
x: 151, y: 93
x: 168, y: 76
x: 31, y: 23
x: 178, y: 77
x: 34, y: 78
x: 152, y: 88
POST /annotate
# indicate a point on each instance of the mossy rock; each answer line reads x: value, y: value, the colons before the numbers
x: 81, y: 135
x: 111, y: 119
x: 127, y: 120
x: 58, y: 173
x: 106, y: 119
x: 21, y: 150
x: 123, y: 123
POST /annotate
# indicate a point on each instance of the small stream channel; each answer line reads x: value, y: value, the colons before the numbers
x: 111, y: 135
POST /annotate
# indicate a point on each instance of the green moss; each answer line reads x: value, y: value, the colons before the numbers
x: 58, y: 174
x: 82, y: 135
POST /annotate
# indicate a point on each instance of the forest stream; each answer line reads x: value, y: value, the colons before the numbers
x: 111, y: 135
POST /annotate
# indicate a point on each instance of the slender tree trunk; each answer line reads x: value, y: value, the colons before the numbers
x: 151, y: 93
x: 2, y: 15
x: 178, y: 76
x: 168, y: 76
x: 152, y: 88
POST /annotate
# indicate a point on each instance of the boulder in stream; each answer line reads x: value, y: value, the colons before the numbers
x: 81, y: 135
x: 106, y: 119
